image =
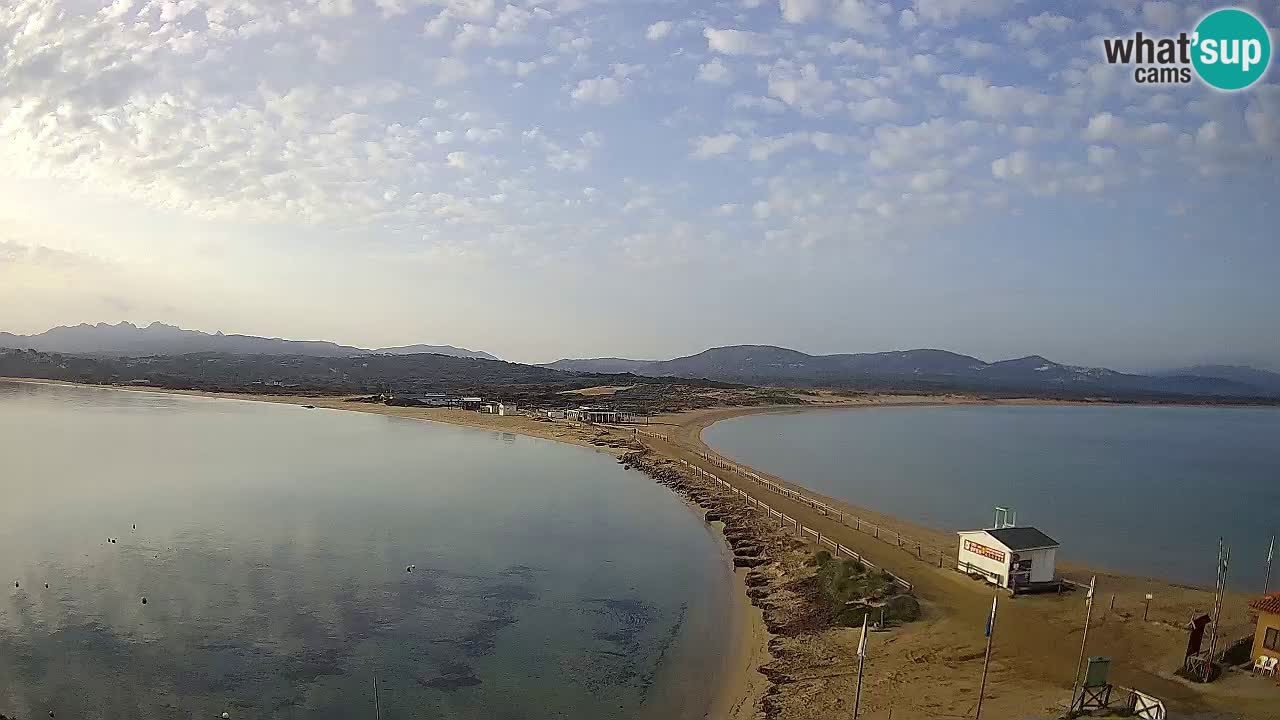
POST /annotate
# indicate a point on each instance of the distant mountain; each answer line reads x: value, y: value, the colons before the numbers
x: 917, y: 370
x: 449, y: 350
x: 127, y: 339
x: 1264, y: 379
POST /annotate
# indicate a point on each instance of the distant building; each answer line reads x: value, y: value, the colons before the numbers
x: 1009, y: 557
x: 1266, y: 636
x: 600, y: 415
x: 470, y: 403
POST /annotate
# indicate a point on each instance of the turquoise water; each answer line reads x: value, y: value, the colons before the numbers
x: 271, y: 544
x: 1142, y: 490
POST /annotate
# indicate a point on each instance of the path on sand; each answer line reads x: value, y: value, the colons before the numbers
x: 1038, y: 638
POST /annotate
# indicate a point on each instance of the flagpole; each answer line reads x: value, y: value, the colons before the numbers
x: 991, y: 633
x: 1084, y: 641
x: 1266, y: 581
x: 862, y: 658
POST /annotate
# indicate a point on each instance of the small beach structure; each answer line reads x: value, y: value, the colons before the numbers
x: 497, y: 408
x: 1008, y: 555
x: 604, y: 415
x: 1266, y: 636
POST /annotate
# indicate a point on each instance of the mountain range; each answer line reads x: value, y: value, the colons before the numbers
x: 907, y: 370
x: 933, y: 370
x: 127, y: 339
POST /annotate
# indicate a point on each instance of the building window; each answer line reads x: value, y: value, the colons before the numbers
x: 1271, y: 640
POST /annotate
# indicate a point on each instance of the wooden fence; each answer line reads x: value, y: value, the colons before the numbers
x: 913, y: 547
x: 800, y: 530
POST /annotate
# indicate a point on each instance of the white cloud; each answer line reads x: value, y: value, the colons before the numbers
x: 874, y: 109
x: 1103, y: 126
x: 930, y: 180
x: 857, y: 49
x: 798, y: 11
x: 1101, y: 155
x: 951, y: 12
x: 858, y: 16
x: 737, y: 42
x: 1015, y: 165
x: 713, y: 145
x: 1160, y: 15
x: 715, y: 72
x: 974, y: 49
x: 599, y: 91
x: 449, y: 70
x: 1026, y: 31
x: 983, y: 98
x: 801, y: 87
x: 659, y: 30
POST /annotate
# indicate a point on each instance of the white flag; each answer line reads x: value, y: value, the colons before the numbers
x: 862, y: 641
x: 991, y: 619
x: 1271, y: 548
x: 1092, y: 582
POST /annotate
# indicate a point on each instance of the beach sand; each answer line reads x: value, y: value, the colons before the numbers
x: 930, y: 668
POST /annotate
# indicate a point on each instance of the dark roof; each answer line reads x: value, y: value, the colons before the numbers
x: 1267, y: 603
x: 1023, y: 538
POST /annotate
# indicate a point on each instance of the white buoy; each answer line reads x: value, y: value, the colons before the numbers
x: 226, y: 715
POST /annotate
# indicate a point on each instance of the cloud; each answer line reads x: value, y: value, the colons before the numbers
x: 715, y: 72
x: 983, y: 98
x: 1017, y: 164
x: 930, y: 180
x: 737, y: 42
x: 598, y: 91
x: 874, y: 109
x: 1026, y: 31
x: 713, y: 145
x: 1103, y: 126
x: 1101, y: 155
x: 659, y: 30
x: 798, y: 11
x: 801, y: 87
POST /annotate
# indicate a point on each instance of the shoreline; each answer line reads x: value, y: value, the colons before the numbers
x: 1040, y: 679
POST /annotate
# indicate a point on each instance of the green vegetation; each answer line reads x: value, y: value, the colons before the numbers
x: 853, y: 592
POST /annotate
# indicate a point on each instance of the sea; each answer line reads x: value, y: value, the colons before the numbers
x: 169, y: 556
x: 1141, y: 490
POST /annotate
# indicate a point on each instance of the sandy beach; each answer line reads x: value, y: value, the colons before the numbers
x: 929, y: 668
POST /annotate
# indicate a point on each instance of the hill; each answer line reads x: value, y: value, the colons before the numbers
x: 1264, y: 379
x: 127, y: 339
x: 920, y: 370
x: 435, y: 350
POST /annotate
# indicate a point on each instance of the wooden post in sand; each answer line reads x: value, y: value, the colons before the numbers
x: 1084, y: 642
x: 1266, y: 580
x: 991, y: 633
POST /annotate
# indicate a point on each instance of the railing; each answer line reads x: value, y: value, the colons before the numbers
x: 785, y: 520
x: 888, y: 535
x: 654, y: 435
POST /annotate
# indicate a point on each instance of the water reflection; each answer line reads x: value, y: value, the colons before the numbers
x: 272, y: 544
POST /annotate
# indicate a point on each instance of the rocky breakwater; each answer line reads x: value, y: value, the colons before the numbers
x: 809, y: 600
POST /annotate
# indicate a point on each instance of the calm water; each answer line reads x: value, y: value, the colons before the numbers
x: 1144, y: 490
x: 271, y: 545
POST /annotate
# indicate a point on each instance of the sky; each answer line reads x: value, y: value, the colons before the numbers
x: 579, y: 178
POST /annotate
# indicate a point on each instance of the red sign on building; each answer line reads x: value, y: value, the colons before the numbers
x: 984, y: 551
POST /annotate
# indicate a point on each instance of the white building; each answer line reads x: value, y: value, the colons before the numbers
x: 1010, y: 557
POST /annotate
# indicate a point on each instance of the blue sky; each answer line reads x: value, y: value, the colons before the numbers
x: 549, y: 178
